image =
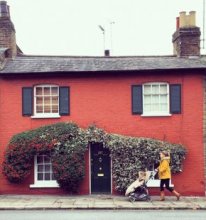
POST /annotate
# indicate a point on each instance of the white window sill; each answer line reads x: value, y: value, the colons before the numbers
x: 155, y: 183
x: 156, y: 115
x: 46, y: 116
x: 45, y: 184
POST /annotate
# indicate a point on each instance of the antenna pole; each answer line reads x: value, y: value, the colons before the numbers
x: 111, y: 35
x: 103, y: 32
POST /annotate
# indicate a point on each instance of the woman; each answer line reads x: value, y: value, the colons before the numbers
x: 165, y: 175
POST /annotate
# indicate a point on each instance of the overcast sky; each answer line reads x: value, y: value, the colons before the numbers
x: 70, y: 27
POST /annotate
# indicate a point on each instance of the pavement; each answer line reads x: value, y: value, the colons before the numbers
x: 108, y: 202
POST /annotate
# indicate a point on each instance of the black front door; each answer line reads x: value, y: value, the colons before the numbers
x: 100, y: 169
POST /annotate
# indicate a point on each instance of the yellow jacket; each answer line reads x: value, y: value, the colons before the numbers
x: 164, y: 168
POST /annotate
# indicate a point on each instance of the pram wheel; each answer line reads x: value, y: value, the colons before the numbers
x: 131, y: 199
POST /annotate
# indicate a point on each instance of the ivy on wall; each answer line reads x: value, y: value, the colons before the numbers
x: 67, y: 143
x: 132, y: 154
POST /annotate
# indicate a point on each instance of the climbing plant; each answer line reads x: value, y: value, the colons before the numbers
x: 67, y: 143
x: 132, y: 154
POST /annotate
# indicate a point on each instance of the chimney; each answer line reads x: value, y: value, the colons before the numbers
x: 186, y: 39
x: 7, y: 30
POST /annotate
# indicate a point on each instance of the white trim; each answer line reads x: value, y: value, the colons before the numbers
x: 156, y: 115
x: 45, y: 184
x: 48, y: 115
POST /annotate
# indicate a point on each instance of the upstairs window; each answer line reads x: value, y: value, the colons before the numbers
x: 46, y: 100
x: 155, y: 99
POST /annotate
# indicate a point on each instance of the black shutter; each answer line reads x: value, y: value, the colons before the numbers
x: 64, y: 100
x: 175, y: 98
x: 27, y: 101
x: 137, y: 105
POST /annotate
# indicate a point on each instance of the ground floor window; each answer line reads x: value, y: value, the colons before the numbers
x: 43, y: 173
x: 154, y: 181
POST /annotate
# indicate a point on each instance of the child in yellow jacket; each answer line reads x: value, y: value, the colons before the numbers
x: 165, y: 175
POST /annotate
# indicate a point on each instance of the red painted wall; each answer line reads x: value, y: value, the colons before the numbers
x: 106, y: 101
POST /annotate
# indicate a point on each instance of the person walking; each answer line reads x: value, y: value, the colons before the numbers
x: 164, y: 173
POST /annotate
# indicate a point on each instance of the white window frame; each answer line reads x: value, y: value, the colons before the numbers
x: 42, y: 183
x: 157, y: 113
x: 45, y: 115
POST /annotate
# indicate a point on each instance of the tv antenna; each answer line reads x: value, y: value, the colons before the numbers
x: 103, y: 32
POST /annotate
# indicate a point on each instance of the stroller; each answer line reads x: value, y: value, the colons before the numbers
x: 138, y: 191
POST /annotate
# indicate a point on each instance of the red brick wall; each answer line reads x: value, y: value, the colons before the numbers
x: 106, y: 101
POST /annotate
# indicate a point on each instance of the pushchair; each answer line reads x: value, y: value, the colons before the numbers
x: 138, y: 191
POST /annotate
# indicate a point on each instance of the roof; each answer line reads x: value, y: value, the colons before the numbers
x: 48, y: 64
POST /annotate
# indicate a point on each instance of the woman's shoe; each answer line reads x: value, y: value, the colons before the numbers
x: 162, y: 196
x: 176, y: 194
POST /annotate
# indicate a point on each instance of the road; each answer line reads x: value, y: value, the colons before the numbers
x: 101, y: 215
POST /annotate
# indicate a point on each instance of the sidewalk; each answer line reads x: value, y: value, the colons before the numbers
x: 34, y: 202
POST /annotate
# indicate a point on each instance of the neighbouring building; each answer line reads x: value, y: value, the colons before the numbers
x: 162, y: 97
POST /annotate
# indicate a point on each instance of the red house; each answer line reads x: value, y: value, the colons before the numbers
x: 161, y: 97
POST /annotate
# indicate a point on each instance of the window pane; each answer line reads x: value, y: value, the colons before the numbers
x: 55, y: 100
x: 39, y: 159
x: 47, y: 101
x: 40, y: 176
x: 53, y: 178
x: 147, y: 99
x: 38, y: 91
x: 155, y: 99
x: 47, y: 109
x: 147, y: 108
x: 155, y: 89
x: 40, y: 168
x: 47, y: 176
x: 54, y: 90
x: 163, y: 107
x: 163, y: 89
x: 54, y: 108
x: 47, y: 159
x: 39, y: 109
x: 163, y: 99
x: 39, y: 100
x: 46, y: 90
x: 147, y: 89
x: 155, y: 107
x: 47, y: 168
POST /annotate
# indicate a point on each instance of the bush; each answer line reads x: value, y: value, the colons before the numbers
x: 68, y: 161
x: 67, y: 143
x: 63, y: 141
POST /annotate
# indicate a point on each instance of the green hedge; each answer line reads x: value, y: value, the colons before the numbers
x: 131, y: 154
x: 67, y: 143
